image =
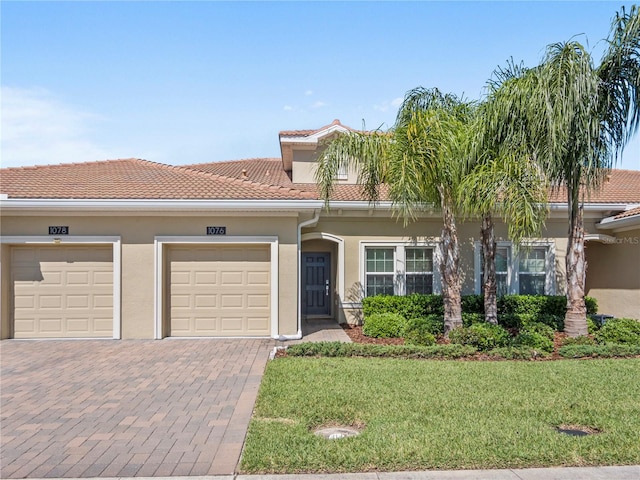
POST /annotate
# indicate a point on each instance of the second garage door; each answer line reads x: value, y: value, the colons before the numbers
x: 219, y: 290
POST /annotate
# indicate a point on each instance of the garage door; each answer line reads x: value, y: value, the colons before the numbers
x: 219, y: 291
x: 62, y: 291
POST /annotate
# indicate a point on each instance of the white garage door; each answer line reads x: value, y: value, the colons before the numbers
x: 219, y: 290
x: 62, y: 291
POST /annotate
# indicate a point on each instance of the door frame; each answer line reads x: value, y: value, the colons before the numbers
x: 161, y: 264
x: 331, y: 286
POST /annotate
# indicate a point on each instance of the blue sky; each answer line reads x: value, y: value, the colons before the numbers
x: 189, y: 82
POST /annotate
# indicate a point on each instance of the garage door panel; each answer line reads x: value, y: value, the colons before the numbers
x: 226, y: 285
x: 62, y: 291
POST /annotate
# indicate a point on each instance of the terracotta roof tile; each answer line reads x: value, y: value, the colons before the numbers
x: 622, y: 186
x: 262, y: 170
x: 307, y: 133
x: 628, y: 213
x: 133, y: 179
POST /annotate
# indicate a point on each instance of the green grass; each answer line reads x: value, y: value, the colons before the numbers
x: 443, y: 414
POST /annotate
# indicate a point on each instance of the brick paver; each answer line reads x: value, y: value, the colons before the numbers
x: 93, y: 408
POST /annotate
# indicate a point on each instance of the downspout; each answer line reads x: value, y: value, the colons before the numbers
x: 301, y: 225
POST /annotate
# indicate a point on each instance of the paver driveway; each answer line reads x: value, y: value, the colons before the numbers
x: 126, y: 408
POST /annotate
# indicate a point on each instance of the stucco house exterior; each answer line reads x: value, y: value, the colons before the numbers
x: 132, y: 249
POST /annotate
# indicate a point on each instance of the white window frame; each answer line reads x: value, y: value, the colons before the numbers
x: 513, y: 265
x: 399, y: 260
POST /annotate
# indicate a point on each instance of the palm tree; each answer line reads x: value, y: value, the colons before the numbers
x: 421, y: 160
x: 574, y: 119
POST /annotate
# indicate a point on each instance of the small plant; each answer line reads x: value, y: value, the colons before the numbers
x: 423, y: 331
x: 384, y: 325
x: 620, y: 330
x: 469, y: 319
x: 534, y: 340
x: 539, y: 328
x: 339, y: 349
x: 516, y: 353
x: 581, y: 340
x: 483, y: 336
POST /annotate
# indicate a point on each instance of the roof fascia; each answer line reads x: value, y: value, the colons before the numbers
x: 315, y: 137
x: 136, y: 205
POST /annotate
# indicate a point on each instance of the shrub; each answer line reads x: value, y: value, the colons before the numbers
x: 581, y: 340
x: 535, y: 340
x: 539, y: 328
x: 473, y: 304
x: 620, y: 330
x: 423, y: 330
x: 339, y: 349
x: 592, y: 326
x: 516, y: 353
x: 469, y: 319
x: 483, y: 336
x: 384, y: 325
x: 604, y: 351
x: 520, y: 320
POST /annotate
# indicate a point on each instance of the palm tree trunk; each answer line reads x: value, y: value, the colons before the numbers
x: 575, y: 320
x: 489, y: 269
x: 449, y: 269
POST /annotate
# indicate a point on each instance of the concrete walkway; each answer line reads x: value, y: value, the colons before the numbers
x: 565, y: 473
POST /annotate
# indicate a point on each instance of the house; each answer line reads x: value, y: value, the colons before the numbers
x: 130, y: 248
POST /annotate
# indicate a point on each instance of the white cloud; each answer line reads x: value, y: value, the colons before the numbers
x: 288, y: 108
x: 308, y: 93
x: 385, y: 106
x: 39, y: 129
x: 318, y: 104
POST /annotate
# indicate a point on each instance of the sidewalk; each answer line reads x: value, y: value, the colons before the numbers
x: 561, y: 473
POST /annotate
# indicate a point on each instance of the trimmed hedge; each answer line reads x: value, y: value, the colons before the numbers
x: 514, y: 311
x: 601, y: 351
x: 339, y: 349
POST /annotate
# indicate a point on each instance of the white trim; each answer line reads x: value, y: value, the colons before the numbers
x: 513, y: 265
x: 599, y: 237
x: 399, y: 261
x: 477, y: 266
x: 340, y: 261
x: 116, y: 244
x: 159, y: 243
x: 44, y: 204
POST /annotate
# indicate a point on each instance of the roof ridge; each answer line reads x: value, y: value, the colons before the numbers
x: 74, y: 164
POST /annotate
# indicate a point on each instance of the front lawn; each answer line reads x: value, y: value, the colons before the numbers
x: 418, y: 414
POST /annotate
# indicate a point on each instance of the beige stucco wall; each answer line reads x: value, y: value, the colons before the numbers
x: 613, y: 274
x: 375, y: 226
x: 304, y: 168
x: 138, y: 256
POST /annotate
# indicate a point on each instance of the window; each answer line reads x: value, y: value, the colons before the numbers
x: 502, y: 270
x: 419, y: 270
x: 343, y: 173
x: 398, y: 270
x: 379, y: 270
x: 530, y: 272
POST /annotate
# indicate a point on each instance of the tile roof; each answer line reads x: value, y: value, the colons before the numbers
x: 252, y: 179
x: 307, y: 133
x: 628, y: 213
x: 621, y: 186
x: 262, y: 170
x: 134, y: 179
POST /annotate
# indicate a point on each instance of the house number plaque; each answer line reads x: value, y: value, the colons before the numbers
x: 58, y: 230
x: 216, y: 230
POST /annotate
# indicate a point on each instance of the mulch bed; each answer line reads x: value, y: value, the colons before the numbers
x: 355, y: 334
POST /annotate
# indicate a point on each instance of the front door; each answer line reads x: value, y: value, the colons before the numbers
x: 316, y: 269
